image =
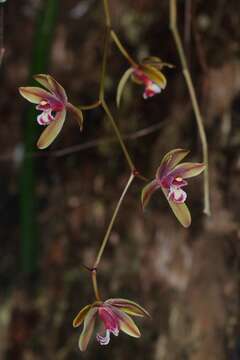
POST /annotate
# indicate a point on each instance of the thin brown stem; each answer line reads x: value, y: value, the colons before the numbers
x: 134, y: 173
x: 104, y: 64
x: 122, y: 49
x: 119, y: 136
x: 90, y: 106
x: 192, y: 93
x: 109, y: 229
x: 107, y: 13
x: 95, y: 284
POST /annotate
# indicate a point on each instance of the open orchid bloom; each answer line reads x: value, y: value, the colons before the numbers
x: 113, y: 315
x: 53, y: 104
x: 170, y: 177
x: 148, y: 74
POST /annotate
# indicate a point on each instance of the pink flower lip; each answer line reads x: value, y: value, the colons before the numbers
x: 47, y: 106
x: 151, y: 88
x: 108, y: 317
x: 174, y: 187
x: 111, y: 323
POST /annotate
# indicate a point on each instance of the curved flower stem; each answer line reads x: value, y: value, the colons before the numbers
x: 122, y: 49
x: 104, y: 64
x: 91, y: 106
x: 106, y: 237
x: 134, y: 172
x: 119, y: 136
x: 102, y: 89
x: 192, y: 93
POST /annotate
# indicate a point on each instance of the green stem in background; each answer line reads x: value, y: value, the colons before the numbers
x: 106, y: 238
x: 109, y: 229
x: 104, y: 64
x: 122, y: 49
x: 119, y: 136
x: 29, y: 236
x: 134, y: 173
x: 102, y: 89
x: 107, y: 13
x: 192, y: 93
x: 91, y: 106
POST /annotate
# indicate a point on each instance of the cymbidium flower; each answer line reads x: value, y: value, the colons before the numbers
x: 148, y: 74
x: 53, y: 104
x: 113, y: 316
x: 170, y: 177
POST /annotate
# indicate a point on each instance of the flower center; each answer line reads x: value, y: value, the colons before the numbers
x: 47, y: 107
x: 43, y: 103
x: 174, y: 187
x: 45, y: 118
x: 151, y: 88
x: 111, y: 324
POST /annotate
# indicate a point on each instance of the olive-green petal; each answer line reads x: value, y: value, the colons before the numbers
x: 181, y: 211
x: 52, y: 130
x: 88, y: 327
x: 81, y: 315
x: 122, y: 84
x: 128, y: 306
x: 147, y: 192
x: 170, y: 160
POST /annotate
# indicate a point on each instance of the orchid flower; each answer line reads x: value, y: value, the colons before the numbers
x: 148, y: 74
x: 170, y: 177
x: 113, y: 314
x: 53, y: 104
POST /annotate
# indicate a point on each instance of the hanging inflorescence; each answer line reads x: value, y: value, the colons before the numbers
x: 53, y: 105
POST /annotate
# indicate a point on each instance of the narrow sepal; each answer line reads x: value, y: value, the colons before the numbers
x: 128, y: 306
x: 88, y: 327
x: 52, y: 85
x: 81, y: 315
x: 35, y: 94
x: 155, y: 75
x: 121, y: 85
x: 151, y: 60
x: 188, y: 169
x: 156, y: 62
x: 43, y: 80
x: 170, y: 160
x: 52, y: 130
x: 147, y: 192
x: 126, y: 324
x: 57, y: 88
x: 78, y: 115
x: 181, y: 211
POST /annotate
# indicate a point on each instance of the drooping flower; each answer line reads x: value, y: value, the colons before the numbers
x: 53, y: 104
x: 113, y: 316
x: 148, y: 74
x: 170, y: 177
